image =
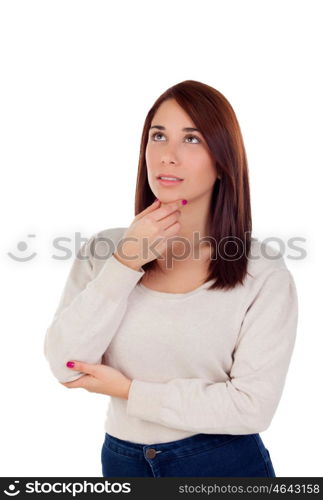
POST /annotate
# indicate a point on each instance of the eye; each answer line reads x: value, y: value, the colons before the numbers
x: 194, y: 137
x: 154, y: 135
x: 186, y: 137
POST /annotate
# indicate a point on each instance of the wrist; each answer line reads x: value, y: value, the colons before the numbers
x: 127, y: 389
x: 132, y: 264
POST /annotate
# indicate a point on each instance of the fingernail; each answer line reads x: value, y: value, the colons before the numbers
x: 184, y: 202
x: 70, y: 364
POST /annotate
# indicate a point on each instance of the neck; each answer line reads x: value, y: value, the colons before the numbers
x: 193, y: 227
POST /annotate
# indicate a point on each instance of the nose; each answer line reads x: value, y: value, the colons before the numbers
x: 168, y: 156
x: 168, y: 159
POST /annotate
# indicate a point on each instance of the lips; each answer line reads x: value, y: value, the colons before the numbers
x: 171, y: 176
x: 174, y: 182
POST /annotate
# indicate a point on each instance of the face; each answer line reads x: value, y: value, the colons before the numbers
x: 182, y: 153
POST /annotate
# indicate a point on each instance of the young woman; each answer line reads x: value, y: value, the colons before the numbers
x: 186, y: 322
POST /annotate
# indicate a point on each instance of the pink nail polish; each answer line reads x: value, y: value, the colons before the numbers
x: 70, y: 364
x: 184, y: 202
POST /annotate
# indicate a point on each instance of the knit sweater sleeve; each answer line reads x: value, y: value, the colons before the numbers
x: 89, y: 313
x: 247, y: 401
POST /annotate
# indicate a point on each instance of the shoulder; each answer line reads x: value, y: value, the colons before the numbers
x: 265, y: 264
x: 101, y: 245
x: 267, y: 274
x: 263, y: 259
x: 109, y: 237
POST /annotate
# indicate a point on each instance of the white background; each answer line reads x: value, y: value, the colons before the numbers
x: 77, y: 80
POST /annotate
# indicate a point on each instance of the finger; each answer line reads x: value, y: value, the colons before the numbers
x: 78, y: 383
x: 169, y: 220
x: 81, y: 366
x: 149, y: 209
x: 71, y: 385
x: 166, y: 210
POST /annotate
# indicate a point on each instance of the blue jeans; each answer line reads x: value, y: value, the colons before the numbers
x: 201, y: 455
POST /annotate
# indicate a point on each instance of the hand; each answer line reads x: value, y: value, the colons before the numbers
x: 155, y: 223
x: 101, y: 379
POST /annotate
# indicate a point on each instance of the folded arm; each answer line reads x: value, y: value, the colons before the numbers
x: 89, y: 313
x: 247, y: 401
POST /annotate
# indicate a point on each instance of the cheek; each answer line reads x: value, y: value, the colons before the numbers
x: 197, y: 157
x: 204, y: 176
x: 151, y: 156
x: 201, y: 167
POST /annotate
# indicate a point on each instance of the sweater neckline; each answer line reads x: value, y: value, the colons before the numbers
x: 171, y: 295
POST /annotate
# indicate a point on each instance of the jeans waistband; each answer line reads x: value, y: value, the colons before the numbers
x: 188, y: 444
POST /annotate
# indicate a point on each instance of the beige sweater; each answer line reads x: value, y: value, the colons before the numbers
x: 212, y: 362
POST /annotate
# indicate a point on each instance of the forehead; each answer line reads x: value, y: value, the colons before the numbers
x: 171, y: 114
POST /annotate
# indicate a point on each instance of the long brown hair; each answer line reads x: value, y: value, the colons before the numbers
x: 229, y: 220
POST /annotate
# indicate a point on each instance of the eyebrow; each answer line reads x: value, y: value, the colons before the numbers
x: 185, y: 129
